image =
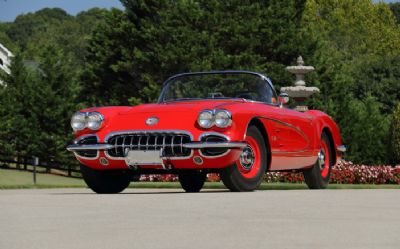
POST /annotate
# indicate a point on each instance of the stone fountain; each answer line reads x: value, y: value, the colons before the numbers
x: 299, y: 92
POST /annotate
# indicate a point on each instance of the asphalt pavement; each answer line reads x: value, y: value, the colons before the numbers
x: 165, y: 218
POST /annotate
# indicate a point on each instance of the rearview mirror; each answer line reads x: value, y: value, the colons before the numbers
x: 283, y: 98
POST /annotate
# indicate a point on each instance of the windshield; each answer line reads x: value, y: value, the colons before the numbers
x: 218, y: 86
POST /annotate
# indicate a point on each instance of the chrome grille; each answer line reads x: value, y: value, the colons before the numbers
x: 171, y: 144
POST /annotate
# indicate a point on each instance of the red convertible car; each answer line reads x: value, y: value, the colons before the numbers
x: 227, y: 122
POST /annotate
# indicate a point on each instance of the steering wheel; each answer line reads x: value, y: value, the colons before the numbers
x: 245, y: 96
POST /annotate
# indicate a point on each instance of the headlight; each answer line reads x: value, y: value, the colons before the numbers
x: 94, y: 120
x: 91, y: 120
x: 206, y: 119
x: 78, y: 121
x: 223, y: 118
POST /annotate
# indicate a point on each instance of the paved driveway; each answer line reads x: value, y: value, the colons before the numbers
x: 140, y: 218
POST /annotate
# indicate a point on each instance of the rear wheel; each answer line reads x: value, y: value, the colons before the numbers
x: 192, y: 180
x: 317, y: 177
x: 105, y: 181
x: 247, y: 172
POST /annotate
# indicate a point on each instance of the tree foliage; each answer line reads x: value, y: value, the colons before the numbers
x: 357, y: 44
x: 134, y: 51
x: 394, y: 135
x: 35, y: 107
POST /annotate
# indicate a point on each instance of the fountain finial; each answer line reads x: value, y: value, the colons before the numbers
x: 300, y: 91
x: 300, y: 61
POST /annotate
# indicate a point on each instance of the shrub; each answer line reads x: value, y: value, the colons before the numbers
x: 394, y: 149
x: 343, y: 173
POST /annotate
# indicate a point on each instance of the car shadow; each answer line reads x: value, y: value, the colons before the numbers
x: 147, y: 192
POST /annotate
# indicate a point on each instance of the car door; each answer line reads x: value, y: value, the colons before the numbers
x: 293, y: 133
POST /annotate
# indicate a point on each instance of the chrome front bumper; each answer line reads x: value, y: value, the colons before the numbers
x: 191, y: 145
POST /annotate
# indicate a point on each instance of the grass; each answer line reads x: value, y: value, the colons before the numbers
x: 10, y: 179
x: 14, y: 179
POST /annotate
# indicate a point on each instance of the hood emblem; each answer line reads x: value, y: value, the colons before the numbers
x: 152, y: 121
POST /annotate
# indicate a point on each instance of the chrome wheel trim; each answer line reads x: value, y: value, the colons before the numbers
x: 321, y: 159
x: 247, y: 158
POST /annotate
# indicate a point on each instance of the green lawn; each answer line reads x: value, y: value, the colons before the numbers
x: 11, y: 179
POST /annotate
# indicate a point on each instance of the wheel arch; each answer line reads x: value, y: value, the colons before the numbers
x: 260, y: 126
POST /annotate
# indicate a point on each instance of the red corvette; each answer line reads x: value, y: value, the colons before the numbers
x: 229, y: 122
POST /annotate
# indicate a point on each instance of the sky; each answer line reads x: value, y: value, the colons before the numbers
x: 9, y: 9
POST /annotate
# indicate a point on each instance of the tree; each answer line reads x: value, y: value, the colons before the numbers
x: 27, y: 25
x: 42, y: 90
x: 18, y: 125
x: 394, y: 147
x: 355, y: 48
x: 134, y: 51
x: 367, y: 131
x: 395, y: 8
x: 35, y: 107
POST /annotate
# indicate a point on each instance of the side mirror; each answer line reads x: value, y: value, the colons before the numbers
x: 283, y: 98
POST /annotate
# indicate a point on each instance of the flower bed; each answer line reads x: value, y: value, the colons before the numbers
x: 344, y: 172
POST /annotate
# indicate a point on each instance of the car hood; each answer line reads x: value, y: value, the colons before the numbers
x: 171, y: 116
x: 179, y: 107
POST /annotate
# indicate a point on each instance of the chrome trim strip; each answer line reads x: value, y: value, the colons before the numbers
x: 204, y: 145
x: 282, y: 123
x: 341, y: 148
x: 77, y: 140
x: 75, y: 147
x: 205, y: 134
x: 177, y: 132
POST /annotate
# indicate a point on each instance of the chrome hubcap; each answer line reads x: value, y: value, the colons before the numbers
x: 321, y: 159
x: 247, y: 158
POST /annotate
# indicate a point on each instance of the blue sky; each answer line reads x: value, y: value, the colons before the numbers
x: 9, y: 9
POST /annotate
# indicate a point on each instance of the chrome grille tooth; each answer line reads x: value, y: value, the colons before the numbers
x: 130, y: 144
x: 155, y: 142
x: 163, y: 143
x: 181, y: 144
x: 147, y: 142
x: 172, y: 145
x: 123, y: 144
x: 139, y: 141
x: 116, y: 144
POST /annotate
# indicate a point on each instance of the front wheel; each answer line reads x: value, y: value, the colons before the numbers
x: 105, y: 181
x: 246, y: 174
x: 317, y: 177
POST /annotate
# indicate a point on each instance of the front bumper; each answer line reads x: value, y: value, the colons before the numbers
x: 192, y: 145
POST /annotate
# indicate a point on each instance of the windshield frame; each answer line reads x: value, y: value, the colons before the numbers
x: 161, y: 98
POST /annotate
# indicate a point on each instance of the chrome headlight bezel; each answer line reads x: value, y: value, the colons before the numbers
x: 206, y: 119
x: 222, y: 118
x: 91, y: 120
